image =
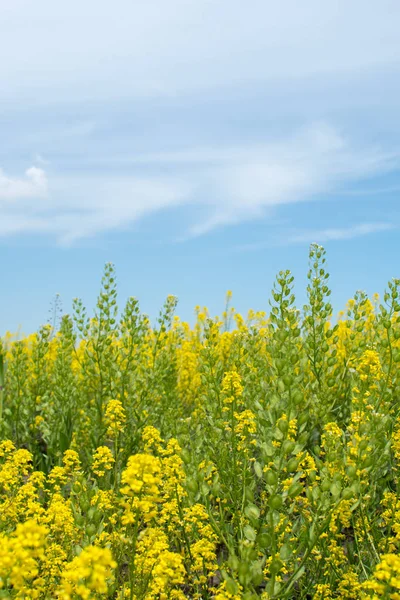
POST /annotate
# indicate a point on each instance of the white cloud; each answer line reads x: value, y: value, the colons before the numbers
x: 77, y: 206
x: 234, y: 185
x: 33, y: 185
x: 336, y: 234
x: 99, y: 204
x: 312, y: 162
x: 285, y: 238
x: 157, y: 47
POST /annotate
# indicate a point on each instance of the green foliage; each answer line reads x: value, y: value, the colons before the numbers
x: 288, y: 427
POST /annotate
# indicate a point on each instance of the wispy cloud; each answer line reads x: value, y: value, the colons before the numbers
x: 158, y: 47
x: 309, y: 164
x: 372, y: 191
x: 33, y: 185
x: 80, y: 207
x: 235, y: 109
x: 235, y: 185
x: 290, y: 237
x: 336, y: 234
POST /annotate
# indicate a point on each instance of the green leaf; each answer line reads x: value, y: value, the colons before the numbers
x: 258, y: 470
x: 252, y: 511
x: 285, y: 552
x: 231, y: 586
x: 249, y: 533
x: 335, y: 490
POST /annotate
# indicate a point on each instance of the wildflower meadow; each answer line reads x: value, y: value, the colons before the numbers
x: 236, y: 457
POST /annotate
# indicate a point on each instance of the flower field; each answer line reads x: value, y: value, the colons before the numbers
x: 238, y: 457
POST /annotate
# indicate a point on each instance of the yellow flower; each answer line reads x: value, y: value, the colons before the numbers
x: 369, y: 367
x: 115, y: 418
x: 232, y: 384
x: 385, y: 581
x: 20, y: 556
x: 151, y: 438
x: 17, y: 465
x: 71, y: 461
x: 57, y: 477
x: 88, y: 574
x: 141, y: 482
x: 102, y: 461
x: 60, y: 519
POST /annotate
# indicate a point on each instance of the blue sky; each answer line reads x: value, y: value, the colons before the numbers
x: 200, y: 146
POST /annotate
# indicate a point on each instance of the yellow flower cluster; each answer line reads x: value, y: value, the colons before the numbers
x: 141, y: 483
x: 20, y: 557
x: 88, y: 574
x: 238, y: 457
x: 385, y: 582
x: 102, y: 461
x: 115, y: 418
